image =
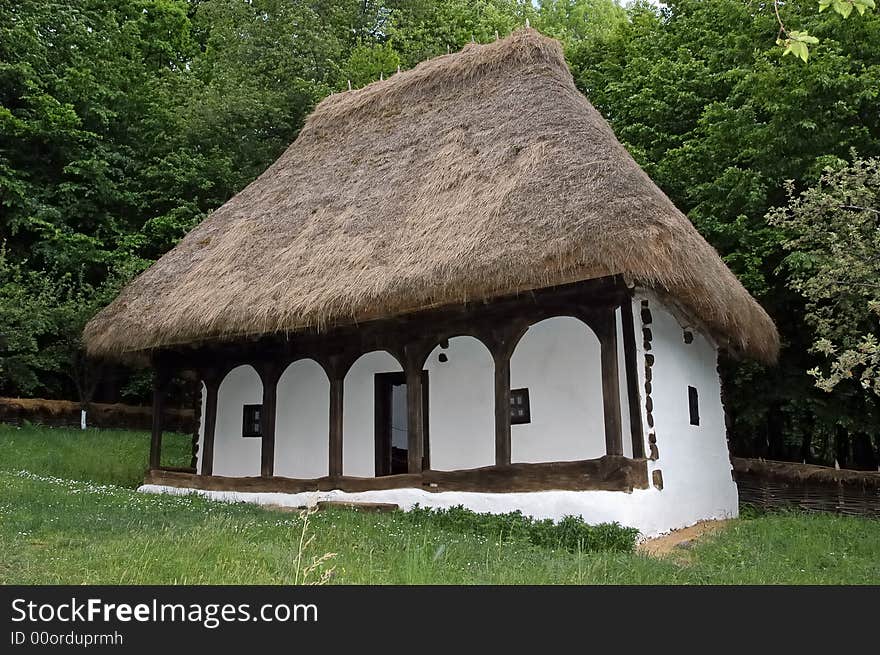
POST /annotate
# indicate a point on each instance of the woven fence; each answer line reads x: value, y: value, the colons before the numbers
x: 777, y: 485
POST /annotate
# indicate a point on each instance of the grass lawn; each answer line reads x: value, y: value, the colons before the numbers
x: 69, y: 515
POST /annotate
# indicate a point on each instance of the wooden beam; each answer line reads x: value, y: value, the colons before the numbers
x: 212, y: 386
x: 415, y: 409
x: 606, y: 329
x: 606, y: 473
x: 269, y: 374
x: 389, y: 333
x: 630, y: 362
x: 337, y: 383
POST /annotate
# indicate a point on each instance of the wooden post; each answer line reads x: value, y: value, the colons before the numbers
x: 502, y: 406
x: 269, y: 374
x: 415, y: 411
x: 632, y: 378
x: 606, y: 328
x: 337, y: 381
x: 159, y: 383
x: 212, y: 386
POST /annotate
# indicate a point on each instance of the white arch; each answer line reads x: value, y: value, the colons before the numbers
x: 558, y: 361
x: 358, y: 412
x: 235, y: 455
x: 461, y: 405
x: 302, y: 421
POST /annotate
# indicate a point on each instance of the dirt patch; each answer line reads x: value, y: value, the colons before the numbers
x: 679, y: 540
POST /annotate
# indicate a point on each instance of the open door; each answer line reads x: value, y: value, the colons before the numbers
x: 391, y: 433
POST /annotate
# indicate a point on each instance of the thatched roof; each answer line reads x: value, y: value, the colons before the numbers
x: 477, y: 174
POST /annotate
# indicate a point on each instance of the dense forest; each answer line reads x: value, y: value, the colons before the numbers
x: 124, y: 122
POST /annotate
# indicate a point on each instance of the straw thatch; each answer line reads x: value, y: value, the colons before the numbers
x: 474, y: 175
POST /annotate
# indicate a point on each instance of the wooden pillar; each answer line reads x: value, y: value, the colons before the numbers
x: 160, y: 382
x: 337, y: 383
x: 606, y: 329
x: 502, y: 344
x: 415, y: 410
x: 269, y: 375
x: 212, y: 386
x: 632, y: 378
x: 502, y: 407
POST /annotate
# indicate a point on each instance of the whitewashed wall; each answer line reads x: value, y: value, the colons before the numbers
x: 358, y: 412
x: 235, y: 455
x: 302, y: 423
x: 558, y: 360
x: 694, y: 460
x: 461, y: 405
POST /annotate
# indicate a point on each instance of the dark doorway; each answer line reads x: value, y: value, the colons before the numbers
x: 392, y: 435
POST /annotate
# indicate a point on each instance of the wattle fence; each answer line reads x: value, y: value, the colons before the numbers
x: 66, y: 413
x: 776, y: 485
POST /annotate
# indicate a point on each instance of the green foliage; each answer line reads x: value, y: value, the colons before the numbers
x: 571, y: 533
x: 721, y: 129
x: 796, y: 44
x: 845, y: 7
x: 123, y: 123
x: 833, y: 231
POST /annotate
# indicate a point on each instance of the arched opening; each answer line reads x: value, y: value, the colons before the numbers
x: 461, y: 414
x: 359, y: 415
x: 302, y: 421
x: 556, y: 393
x: 237, y: 449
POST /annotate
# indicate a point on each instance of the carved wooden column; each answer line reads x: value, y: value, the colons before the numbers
x: 212, y: 386
x: 605, y: 326
x: 160, y: 384
x: 336, y: 372
x: 414, y: 358
x: 197, y: 416
x: 269, y: 374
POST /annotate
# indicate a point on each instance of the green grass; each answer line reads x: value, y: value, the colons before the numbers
x: 107, y: 456
x: 56, y: 530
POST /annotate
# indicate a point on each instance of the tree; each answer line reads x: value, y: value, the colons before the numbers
x: 698, y: 94
x: 833, y: 231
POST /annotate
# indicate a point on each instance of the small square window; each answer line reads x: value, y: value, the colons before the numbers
x: 694, y: 405
x: 251, y: 425
x: 519, y: 406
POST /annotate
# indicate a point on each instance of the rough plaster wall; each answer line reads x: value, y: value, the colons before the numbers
x: 358, y: 415
x: 302, y: 424
x: 694, y: 460
x: 558, y: 359
x: 461, y: 405
x: 235, y: 455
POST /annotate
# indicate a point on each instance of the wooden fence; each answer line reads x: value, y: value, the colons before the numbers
x: 65, y: 413
x: 775, y: 485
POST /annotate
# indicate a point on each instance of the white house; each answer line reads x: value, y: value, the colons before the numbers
x: 455, y: 287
